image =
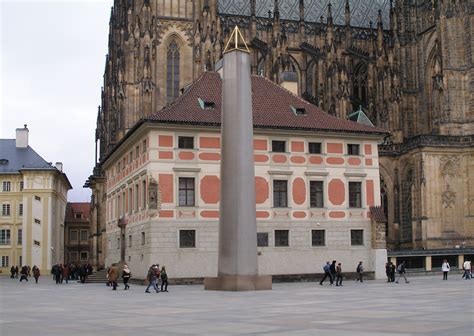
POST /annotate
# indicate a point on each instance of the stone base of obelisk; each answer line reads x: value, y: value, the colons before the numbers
x: 238, y: 283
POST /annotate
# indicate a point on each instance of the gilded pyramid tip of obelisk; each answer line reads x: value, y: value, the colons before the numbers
x: 236, y: 42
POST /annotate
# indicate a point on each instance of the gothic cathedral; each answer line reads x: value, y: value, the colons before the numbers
x: 407, y: 64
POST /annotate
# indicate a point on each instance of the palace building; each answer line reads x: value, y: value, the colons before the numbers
x: 33, y: 197
x: 406, y: 64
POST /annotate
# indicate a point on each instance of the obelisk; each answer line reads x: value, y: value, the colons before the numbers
x: 237, y: 254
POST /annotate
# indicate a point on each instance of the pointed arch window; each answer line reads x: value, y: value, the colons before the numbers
x: 172, y: 72
x: 359, y: 85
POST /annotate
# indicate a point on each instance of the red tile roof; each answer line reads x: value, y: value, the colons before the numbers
x: 272, y: 108
x: 78, y: 207
x: 377, y: 214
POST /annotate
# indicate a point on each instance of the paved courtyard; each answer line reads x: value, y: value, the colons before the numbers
x: 426, y: 306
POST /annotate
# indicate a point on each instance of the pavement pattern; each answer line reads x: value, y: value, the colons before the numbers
x: 425, y: 306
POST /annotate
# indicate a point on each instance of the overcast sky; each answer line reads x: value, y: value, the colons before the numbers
x: 52, y: 58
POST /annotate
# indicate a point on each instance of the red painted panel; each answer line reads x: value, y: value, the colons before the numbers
x: 335, y: 160
x: 299, y: 214
x: 369, y: 187
x: 297, y: 146
x: 259, y: 144
x: 165, y: 140
x: 368, y: 162
x: 354, y: 161
x: 210, y: 214
x: 278, y: 158
x: 336, y: 192
x: 299, y: 191
x: 335, y: 148
x: 315, y: 159
x: 165, y: 155
x: 209, y: 142
x: 186, y: 155
x: 210, y: 189
x: 165, y: 183
x: 260, y: 158
x: 263, y: 214
x: 166, y: 213
x: 368, y: 149
x: 337, y: 214
x: 298, y: 159
x: 261, y: 190
x: 210, y: 156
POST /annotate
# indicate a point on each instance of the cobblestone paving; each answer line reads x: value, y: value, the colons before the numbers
x: 425, y: 306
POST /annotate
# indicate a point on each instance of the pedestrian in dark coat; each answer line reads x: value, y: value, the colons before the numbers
x: 113, y: 274
x: 65, y: 273
x: 12, y: 272
x: 24, y: 274
x: 164, y: 279
x: 126, y: 275
x: 360, y: 272
x: 339, y: 275
x: 36, y: 273
x: 16, y: 272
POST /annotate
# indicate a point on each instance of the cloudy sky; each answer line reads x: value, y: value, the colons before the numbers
x: 52, y: 56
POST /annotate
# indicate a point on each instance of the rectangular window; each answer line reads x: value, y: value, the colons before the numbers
x: 21, y: 185
x: 352, y: 149
x: 135, y: 198
x: 137, y: 152
x: 73, y: 235
x: 129, y: 240
x: 78, y: 215
x: 73, y: 256
x: 20, y: 259
x: 5, y: 261
x: 186, y: 142
x: 143, y: 194
x: 119, y: 206
x: 6, y: 186
x: 20, y: 209
x: 318, y: 237
x: 84, y: 256
x: 282, y: 238
x: 118, y: 243
x: 144, y: 146
x: 130, y: 201
x: 143, y: 238
x: 20, y: 237
x: 278, y: 146
x: 84, y: 235
x: 280, y: 193
x: 186, y: 191
x: 5, y: 237
x: 6, y: 209
x: 37, y: 221
x: 314, y: 147
x: 262, y: 239
x: 316, y: 194
x: 37, y: 198
x: 357, y: 237
x: 130, y: 157
x: 187, y: 238
x: 355, y: 194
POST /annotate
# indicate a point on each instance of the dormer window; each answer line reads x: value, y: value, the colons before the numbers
x: 206, y: 105
x: 298, y: 111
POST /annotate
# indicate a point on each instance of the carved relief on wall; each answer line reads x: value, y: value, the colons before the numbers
x: 448, y: 197
x: 449, y: 165
x: 152, y: 194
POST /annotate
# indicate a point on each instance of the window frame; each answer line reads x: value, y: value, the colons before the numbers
x: 315, y: 143
x: 70, y: 235
x: 277, y: 242
x: 311, y: 204
x: 81, y: 233
x: 352, y: 194
x: 323, y: 238
x: 6, y: 186
x: 19, y: 238
x: 5, y: 237
x: 361, y: 237
x: 350, y: 149
x: 278, y: 194
x: 180, y: 238
x: 277, y: 142
x: 185, y: 137
x: 6, y: 209
x: 83, y: 259
x: 259, y: 234
x: 5, y: 261
x: 185, y: 203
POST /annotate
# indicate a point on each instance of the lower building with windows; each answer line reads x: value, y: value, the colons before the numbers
x: 317, y: 187
x: 77, y: 232
x: 33, y: 196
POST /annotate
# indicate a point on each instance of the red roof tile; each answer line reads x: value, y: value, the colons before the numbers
x: 272, y: 108
x: 377, y: 214
x: 78, y: 207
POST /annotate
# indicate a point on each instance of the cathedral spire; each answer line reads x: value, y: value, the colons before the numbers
x: 347, y: 14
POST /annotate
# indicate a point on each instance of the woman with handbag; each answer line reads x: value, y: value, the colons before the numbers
x: 126, y: 275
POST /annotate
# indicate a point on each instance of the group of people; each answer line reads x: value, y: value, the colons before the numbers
x: 25, y: 272
x: 68, y: 272
x: 332, y: 271
x: 153, y: 277
x: 391, y: 269
x: 113, y: 275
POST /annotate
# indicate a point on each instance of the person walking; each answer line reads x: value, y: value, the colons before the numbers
x: 327, y: 273
x: 126, y: 275
x: 82, y: 273
x: 151, y: 277
x: 360, y: 272
x: 12, y: 272
x: 164, y: 279
x: 332, y: 268
x: 392, y: 271
x: 445, y: 268
x: 16, y: 272
x: 24, y: 274
x: 339, y: 275
x: 401, y: 272
x: 65, y: 274
x: 467, y: 270
x: 388, y: 270
x: 58, y: 271
x: 113, y: 274
x: 36, y: 273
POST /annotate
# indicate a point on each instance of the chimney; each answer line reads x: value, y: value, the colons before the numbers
x: 59, y: 166
x: 22, y: 137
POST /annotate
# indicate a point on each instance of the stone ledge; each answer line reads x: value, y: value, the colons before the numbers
x: 238, y: 283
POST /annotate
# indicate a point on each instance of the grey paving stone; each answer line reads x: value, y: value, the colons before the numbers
x: 426, y: 306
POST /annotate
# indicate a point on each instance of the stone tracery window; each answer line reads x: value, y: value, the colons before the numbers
x: 172, y: 71
x: 359, y: 85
